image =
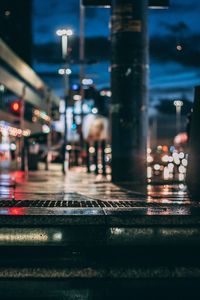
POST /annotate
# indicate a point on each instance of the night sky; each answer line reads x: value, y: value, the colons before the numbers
x: 173, y: 73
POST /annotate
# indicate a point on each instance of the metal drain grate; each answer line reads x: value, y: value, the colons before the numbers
x: 75, y: 200
x: 64, y: 203
x: 81, y: 204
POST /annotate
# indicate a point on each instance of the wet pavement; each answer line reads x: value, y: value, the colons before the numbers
x: 90, y: 239
x: 52, y: 185
x: 82, y: 193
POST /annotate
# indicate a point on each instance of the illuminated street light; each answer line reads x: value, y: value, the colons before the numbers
x: 67, y: 32
x: 87, y: 81
x: 64, y: 34
x: 64, y: 71
x: 178, y: 104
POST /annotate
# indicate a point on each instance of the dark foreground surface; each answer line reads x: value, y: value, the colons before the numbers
x: 81, y: 237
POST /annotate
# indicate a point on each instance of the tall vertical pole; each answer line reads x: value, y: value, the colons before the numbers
x: 22, y: 144
x: 103, y: 157
x: 193, y: 169
x: 66, y: 94
x: 178, y: 116
x: 82, y: 46
x: 48, y: 159
x: 65, y: 33
x: 129, y: 84
x: 96, y: 157
x: 82, y: 59
x: 88, y: 157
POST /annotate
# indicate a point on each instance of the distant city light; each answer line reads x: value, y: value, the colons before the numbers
x: 93, y: 167
x: 165, y: 158
x: 170, y: 167
x: 61, y: 71
x: 41, y: 114
x: 106, y: 93
x: 91, y: 150
x: 87, y: 81
x: 181, y: 155
x: 166, y: 173
x: 149, y: 158
x: 159, y: 148
x: 77, y: 97
x: 184, y: 162
x: 45, y: 128
x: 2, y: 88
x: 182, y: 169
x: 75, y: 87
x: 156, y: 167
x: 62, y: 107
x: 73, y: 127
x: 179, y: 47
x: 64, y: 71
x: 181, y: 176
x: 166, y: 165
x: 7, y: 13
x: 149, y: 150
x: 94, y: 110
x: 149, y: 172
x: 172, y: 148
x: 68, y: 71
x: 108, y: 150
x: 178, y: 103
x: 165, y: 148
x: 69, y: 147
x: 13, y: 131
x: 67, y: 32
x: 13, y: 147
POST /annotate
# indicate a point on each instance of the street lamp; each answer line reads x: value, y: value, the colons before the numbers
x: 64, y: 34
x: 178, y: 104
x: 66, y: 71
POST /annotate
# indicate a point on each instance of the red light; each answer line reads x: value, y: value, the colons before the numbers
x: 15, y: 106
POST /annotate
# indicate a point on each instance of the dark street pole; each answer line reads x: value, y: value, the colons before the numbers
x: 22, y: 146
x: 65, y: 157
x: 65, y: 34
x: 103, y: 157
x: 48, y: 158
x: 88, y: 157
x: 129, y: 84
x: 193, y: 169
x: 96, y: 157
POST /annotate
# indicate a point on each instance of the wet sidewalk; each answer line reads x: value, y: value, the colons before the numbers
x: 92, y: 194
x: 94, y: 239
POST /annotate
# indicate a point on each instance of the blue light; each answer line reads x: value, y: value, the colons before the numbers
x: 75, y: 87
x: 172, y: 148
x: 74, y: 126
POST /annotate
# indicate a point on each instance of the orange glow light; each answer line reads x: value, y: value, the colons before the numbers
x: 15, y: 106
x: 165, y: 148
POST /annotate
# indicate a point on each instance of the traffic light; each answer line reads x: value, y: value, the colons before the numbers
x: 15, y: 107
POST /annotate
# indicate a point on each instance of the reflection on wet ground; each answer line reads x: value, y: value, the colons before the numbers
x: 50, y: 189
